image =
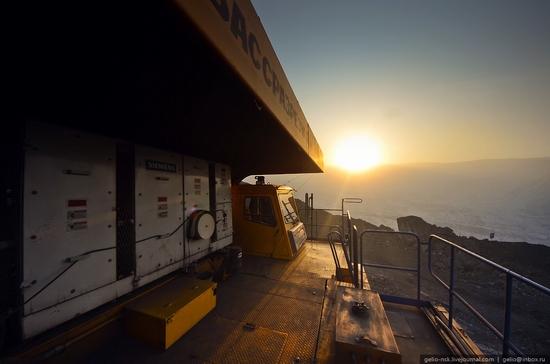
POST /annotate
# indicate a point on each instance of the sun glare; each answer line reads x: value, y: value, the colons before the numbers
x: 357, y: 153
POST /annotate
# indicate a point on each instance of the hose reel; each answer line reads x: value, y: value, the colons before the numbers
x: 201, y: 225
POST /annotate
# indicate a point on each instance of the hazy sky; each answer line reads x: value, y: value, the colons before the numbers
x: 430, y: 81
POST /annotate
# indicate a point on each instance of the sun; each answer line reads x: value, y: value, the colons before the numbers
x: 357, y: 153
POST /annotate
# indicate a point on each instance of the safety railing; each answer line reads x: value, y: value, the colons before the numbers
x: 384, y: 266
x: 318, y: 231
x: 349, y: 251
x: 353, y: 251
x: 314, y: 229
x: 334, y: 237
x: 504, y: 336
x: 355, y: 255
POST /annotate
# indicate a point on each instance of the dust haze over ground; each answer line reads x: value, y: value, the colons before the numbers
x: 507, y: 197
x: 481, y: 285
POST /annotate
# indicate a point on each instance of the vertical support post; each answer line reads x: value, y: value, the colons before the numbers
x: 313, y: 223
x: 308, y: 218
x: 350, y: 237
x: 507, y: 315
x: 360, y: 241
x: 452, y: 288
x: 353, y: 233
x: 418, y: 267
x: 343, y: 222
x: 348, y: 200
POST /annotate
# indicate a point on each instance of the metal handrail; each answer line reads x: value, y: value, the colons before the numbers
x: 418, y: 265
x: 504, y: 336
x: 349, y: 248
x: 339, y: 231
x: 309, y: 218
x: 332, y: 244
x: 510, y: 276
x: 356, y: 261
x: 348, y: 216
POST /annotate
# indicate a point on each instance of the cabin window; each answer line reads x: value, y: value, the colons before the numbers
x: 259, y: 209
x: 288, y: 208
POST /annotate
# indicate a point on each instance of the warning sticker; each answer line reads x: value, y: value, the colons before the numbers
x: 77, y: 203
x: 79, y: 225
x: 76, y: 214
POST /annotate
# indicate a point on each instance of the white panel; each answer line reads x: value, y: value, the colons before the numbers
x: 159, y: 210
x: 224, y: 206
x: 297, y: 236
x: 41, y: 321
x: 197, y: 197
x: 69, y: 210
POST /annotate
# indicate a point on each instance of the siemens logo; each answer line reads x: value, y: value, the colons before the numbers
x: 160, y: 166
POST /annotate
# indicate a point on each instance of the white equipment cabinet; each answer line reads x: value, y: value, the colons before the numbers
x: 200, y: 221
x: 224, y: 206
x: 103, y: 217
x: 159, y: 213
x: 69, y: 212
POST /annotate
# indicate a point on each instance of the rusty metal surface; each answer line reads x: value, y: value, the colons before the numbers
x: 275, y: 311
x: 312, y: 264
x: 222, y: 340
x: 268, y: 300
x: 362, y: 328
x: 269, y: 312
x: 399, y: 324
x: 287, y: 308
x: 422, y: 339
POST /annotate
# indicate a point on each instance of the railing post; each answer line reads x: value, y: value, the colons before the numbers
x: 348, y: 200
x: 360, y: 242
x: 355, y: 255
x: 353, y: 247
x: 452, y: 288
x: 418, y: 267
x: 507, y: 315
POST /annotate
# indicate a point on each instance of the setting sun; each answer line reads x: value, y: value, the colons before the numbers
x: 357, y: 153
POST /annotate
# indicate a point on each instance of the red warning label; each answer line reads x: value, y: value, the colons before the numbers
x: 77, y: 203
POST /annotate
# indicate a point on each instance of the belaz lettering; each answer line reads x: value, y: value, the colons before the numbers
x: 160, y: 166
x: 251, y: 46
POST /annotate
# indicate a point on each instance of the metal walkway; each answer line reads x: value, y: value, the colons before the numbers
x: 273, y: 311
x: 267, y: 313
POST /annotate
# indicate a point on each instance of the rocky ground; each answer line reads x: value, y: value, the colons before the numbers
x: 481, y: 285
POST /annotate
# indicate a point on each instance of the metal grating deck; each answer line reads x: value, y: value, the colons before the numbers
x: 221, y: 340
x: 274, y: 311
x: 269, y: 312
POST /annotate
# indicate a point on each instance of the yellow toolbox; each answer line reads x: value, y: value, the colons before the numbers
x: 164, y: 315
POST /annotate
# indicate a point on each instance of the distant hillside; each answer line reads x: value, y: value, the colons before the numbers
x: 507, y: 197
x: 526, y: 259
